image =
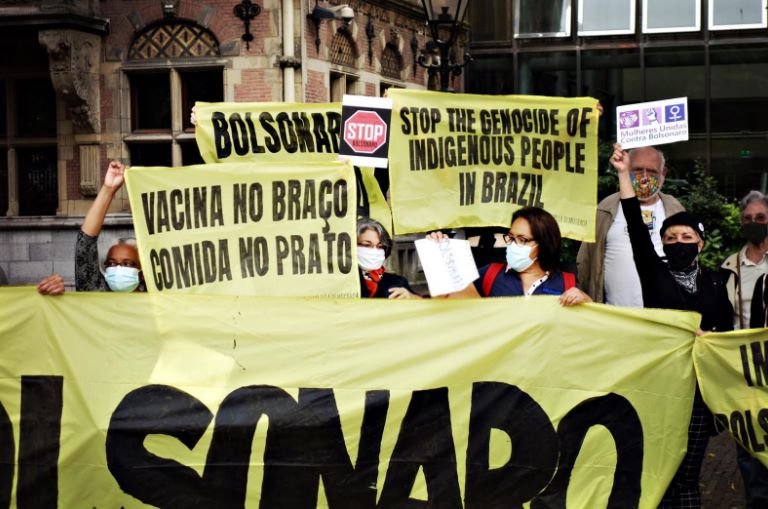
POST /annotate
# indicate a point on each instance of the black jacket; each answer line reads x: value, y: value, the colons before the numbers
x: 388, y: 280
x: 660, y: 290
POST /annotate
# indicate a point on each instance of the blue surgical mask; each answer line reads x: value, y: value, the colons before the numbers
x: 122, y: 279
x: 519, y: 257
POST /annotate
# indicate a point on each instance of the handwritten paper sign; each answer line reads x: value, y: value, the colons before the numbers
x: 448, y: 265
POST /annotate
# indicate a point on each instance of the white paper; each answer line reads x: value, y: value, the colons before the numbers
x: 652, y: 123
x: 448, y: 264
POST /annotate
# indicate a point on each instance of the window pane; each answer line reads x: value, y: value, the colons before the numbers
x: 151, y: 101
x: 539, y: 18
x: 35, y: 108
x: 664, y: 69
x: 613, y: 77
x: 597, y: 17
x: 150, y: 154
x: 3, y: 113
x: 38, y: 185
x: 491, y: 76
x: 548, y: 74
x: 671, y: 15
x: 190, y: 154
x: 724, y: 14
x: 205, y: 86
x: 489, y: 28
x: 740, y: 165
x: 739, y: 90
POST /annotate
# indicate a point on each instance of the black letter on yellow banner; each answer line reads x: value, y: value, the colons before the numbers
x: 157, y: 409
x: 501, y: 406
x: 621, y: 420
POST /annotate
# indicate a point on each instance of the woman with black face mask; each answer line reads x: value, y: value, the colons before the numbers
x: 677, y: 282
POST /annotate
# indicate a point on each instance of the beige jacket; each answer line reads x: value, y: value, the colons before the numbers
x: 591, y: 255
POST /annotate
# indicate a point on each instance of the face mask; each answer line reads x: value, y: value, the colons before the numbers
x: 370, y: 258
x: 645, y: 186
x: 122, y: 279
x: 681, y: 255
x: 519, y: 257
x: 755, y: 233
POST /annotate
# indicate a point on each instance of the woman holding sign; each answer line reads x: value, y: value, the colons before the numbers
x: 533, y: 260
x: 373, y: 247
x: 678, y: 282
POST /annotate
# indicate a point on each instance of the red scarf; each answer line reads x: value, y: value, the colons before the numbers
x: 372, y: 278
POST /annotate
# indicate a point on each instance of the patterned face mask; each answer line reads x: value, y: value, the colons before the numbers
x: 645, y: 186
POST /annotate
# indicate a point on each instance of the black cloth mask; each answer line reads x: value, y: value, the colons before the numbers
x: 755, y: 233
x: 681, y: 255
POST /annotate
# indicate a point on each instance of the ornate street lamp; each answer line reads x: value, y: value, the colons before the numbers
x: 444, y: 19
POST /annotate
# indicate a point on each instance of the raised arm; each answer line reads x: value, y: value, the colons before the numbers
x: 113, y: 181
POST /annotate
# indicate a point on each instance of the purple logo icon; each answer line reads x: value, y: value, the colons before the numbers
x: 674, y: 112
x: 651, y: 116
x: 629, y: 119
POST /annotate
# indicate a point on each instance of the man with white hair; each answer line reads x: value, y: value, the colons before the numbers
x: 606, y: 269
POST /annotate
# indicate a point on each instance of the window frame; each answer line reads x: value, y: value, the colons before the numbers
x: 567, y: 7
x: 677, y: 29
x: 616, y: 31
x: 750, y: 26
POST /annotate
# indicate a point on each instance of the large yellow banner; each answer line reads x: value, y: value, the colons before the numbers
x: 241, y: 132
x: 179, y: 401
x: 460, y: 160
x: 247, y: 229
x: 298, y: 132
x: 733, y: 376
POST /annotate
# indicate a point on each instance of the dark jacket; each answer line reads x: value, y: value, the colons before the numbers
x: 757, y: 318
x: 660, y: 290
x: 388, y: 281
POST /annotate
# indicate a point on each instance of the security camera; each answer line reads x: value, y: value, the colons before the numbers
x: 347, y: 14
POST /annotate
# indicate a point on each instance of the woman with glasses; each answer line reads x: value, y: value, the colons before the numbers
x: 532, y: 262
x: 677, y: 282
x: 373, y: 247
x: 122, y: 268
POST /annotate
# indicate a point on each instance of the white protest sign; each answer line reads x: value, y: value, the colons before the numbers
x: 448, y: 264
x: 652, y: 123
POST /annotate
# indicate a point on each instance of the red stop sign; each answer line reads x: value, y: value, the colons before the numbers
x: 365, y: 132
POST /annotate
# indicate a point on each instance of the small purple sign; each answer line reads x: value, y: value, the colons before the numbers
x: 674, y: 112
x: 629, y: 119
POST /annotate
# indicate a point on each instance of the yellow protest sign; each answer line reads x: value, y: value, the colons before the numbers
x: 241, y: 132
x: 247, y: 229
x: 461, y: 160
x: 168, y: 400
x: 371, y: 201
x: 732, y: 369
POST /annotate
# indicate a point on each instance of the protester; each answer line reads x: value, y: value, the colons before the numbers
x: 122, y: 266
x: 51, y: 285
x: 532, y: 266
x: 374, y: 246
x: 677, y: 283
x: 744, y: 268
x: 605, y: 268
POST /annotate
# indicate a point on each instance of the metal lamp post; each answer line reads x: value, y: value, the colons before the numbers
x: 444, y: 18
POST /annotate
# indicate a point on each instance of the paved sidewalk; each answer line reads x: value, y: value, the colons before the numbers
x: 720, y: 481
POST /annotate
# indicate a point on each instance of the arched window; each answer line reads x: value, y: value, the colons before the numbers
x: 176, y: 39
x: 391, y: 62
x: 184, y: 68
x: 343, y: 50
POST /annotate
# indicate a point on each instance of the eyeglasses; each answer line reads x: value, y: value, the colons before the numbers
x: 757, y: 218
x: 649, y: 171
x: 517, y: 239
x: 131, y: 264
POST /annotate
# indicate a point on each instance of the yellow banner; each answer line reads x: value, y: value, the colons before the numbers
x: 247, y: 229
x: 241, y: 132
x: 471, y: 160
x: 167, y: 400
x: 733, y: 375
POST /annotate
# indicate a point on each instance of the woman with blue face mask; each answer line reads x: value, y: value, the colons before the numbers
x: 532, y: 262
x: 122, y: 268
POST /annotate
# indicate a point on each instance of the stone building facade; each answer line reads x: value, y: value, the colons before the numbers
x: 83, y: 82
